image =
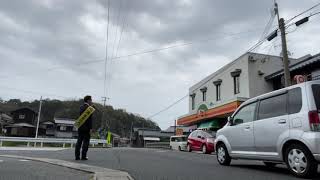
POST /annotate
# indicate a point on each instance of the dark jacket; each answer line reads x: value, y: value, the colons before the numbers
x: 88, y: 124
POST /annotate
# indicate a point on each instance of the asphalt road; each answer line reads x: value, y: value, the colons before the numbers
x: 18, y: 169
x: 153, y: 164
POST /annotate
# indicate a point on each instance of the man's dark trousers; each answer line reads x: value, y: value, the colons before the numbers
x: 83, y: 140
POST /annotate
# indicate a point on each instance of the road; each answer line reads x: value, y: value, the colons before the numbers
x: 153, y: 164
x: 19, y: 169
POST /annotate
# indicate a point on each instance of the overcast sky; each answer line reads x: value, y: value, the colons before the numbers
x: 42, y: 43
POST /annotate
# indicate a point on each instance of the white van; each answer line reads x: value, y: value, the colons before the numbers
x: 178, y: 143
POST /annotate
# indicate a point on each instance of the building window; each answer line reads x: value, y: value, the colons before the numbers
x: 22, y: 116
x: 236, y: 84
x: 236, y: 80
x: 218, y: 89
x: 204, y: 93
x: 193, y: 100
x: 63, y: 128
x: 218, y: 92
x: 204, y: 96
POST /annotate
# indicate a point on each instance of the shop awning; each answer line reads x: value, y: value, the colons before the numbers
x: 209, y: 124
x: 216, y: 112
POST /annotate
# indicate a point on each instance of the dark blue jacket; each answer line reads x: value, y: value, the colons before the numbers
x: 88, y: 124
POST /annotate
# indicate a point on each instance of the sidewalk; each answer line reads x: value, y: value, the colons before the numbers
x: 21, y: 169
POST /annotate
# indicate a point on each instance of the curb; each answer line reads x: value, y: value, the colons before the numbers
x: 99, y: 173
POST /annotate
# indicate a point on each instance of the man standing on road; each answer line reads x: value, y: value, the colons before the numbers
x: 84, y: 131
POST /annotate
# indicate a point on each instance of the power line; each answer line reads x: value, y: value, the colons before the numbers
x: 106, y: 58
x: 302, y: 12
x: 179, y: 100
x: 145, y: 52
x: 313, y: 14
x: 168, y: 107
x: 268, y: 26
x: 122, y: 29
x: 118, y: 24
x: 117, y: 28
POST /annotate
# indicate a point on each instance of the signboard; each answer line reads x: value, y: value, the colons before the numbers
x: 299, y: 78
x: 84, y: 116
x: 179, y: 131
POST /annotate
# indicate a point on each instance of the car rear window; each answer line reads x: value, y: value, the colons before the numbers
x: 182, y: 139
x: 295, y: 100
x: 316, y: 95
x: 273, y: 107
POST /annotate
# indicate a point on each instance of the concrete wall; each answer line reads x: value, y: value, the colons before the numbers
x: 227, y: 87
x: 254, y: 67
x: 266, y: 65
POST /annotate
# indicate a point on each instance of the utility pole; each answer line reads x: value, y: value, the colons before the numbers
x: 39, y: 114
x: 131, y: 133
x: 282, y: 28
x: 175, y: 127
x: 104, y: 99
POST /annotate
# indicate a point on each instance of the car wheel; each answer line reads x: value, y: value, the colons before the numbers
x: 223, y: 155
x: 300, y: 161
x: 180, y: 148
x: 204, y: 149
x: 269, y: 164
x: 189, y: 148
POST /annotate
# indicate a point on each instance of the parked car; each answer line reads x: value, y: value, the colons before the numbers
x: 278, y: 127
x: 200, y: 140
x: 178, y: 143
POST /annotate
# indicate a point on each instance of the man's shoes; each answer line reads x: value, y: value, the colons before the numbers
x: 77, y: 158
x: 84, y: 158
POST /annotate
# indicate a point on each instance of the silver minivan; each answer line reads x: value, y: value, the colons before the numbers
x: 282, y: 126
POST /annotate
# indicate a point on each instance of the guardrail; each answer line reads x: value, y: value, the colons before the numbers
x: 161, y: 145
x: 62, y: 141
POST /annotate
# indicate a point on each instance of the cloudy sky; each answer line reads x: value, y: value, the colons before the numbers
x: 56, y: 48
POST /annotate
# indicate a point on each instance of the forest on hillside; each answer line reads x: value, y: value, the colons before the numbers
x: 116, y: 120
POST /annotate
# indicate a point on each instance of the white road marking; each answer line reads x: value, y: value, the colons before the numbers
x: 23, y: 160
x: 1, y: 160
x: 161, y: 151
x: 30, y: 149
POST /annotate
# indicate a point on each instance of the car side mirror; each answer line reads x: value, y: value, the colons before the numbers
x: 199, y: 137
x: 238, y: 121
x: 202, y: 138
x: 230, y: 120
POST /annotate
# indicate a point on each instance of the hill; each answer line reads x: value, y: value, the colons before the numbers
x: 118, y: 120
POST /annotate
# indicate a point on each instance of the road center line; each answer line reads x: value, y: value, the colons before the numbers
x: 23, y: 160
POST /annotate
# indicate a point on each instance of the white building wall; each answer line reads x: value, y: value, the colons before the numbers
x: 263, y: 65
x: 227, y: 86
x: 251, y: 83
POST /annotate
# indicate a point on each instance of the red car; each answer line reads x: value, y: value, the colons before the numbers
x: 200, y: 140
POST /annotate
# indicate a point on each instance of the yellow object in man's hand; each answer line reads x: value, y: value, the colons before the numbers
x: 84, y: 116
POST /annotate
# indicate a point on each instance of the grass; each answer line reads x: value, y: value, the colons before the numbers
x: 14, y: 144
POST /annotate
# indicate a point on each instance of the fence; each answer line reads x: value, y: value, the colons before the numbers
x: 27, y: 140
x: 161, y: 145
